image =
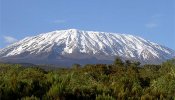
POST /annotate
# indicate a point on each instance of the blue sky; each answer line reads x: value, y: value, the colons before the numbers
x: 153, y: 20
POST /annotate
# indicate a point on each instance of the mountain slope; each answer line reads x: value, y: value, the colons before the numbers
x: 66, y: 47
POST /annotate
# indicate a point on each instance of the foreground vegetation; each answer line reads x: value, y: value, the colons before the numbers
x: 121, y: 80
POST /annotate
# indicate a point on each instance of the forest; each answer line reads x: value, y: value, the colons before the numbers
x: 122, y: 80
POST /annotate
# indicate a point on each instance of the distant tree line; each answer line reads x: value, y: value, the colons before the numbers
x: 122, y: 80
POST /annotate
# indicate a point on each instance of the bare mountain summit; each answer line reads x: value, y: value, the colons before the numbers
x: 66, y: 47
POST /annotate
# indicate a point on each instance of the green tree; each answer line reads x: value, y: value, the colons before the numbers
x: 118, y: 62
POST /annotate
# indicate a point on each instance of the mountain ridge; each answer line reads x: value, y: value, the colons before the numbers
x: 77, y: 46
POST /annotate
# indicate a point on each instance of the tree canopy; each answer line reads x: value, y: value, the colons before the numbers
x: 121, y: 80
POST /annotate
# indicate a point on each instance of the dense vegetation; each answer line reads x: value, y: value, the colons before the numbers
x: 121, y: 80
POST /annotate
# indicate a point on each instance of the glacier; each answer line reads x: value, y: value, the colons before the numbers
x: 66, y: 47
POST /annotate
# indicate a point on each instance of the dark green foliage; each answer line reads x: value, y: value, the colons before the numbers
x: 122, y: 80
x: 104, y: 97
x: 118, y: 62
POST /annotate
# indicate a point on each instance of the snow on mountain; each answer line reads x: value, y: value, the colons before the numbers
x: 66, y: 47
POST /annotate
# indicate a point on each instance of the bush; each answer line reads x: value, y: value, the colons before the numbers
x: 120, y: 81
x: 104, y: 97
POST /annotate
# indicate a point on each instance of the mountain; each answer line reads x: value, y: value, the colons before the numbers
x: 66, y: 47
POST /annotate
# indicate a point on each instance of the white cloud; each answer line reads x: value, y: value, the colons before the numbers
x: 151, y: 25
x: 59, y: 21
x: 154, y: 21
x: 9, y: 39
x: 155, y: 16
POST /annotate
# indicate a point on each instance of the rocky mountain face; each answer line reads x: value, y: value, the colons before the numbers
x: 67, y: 47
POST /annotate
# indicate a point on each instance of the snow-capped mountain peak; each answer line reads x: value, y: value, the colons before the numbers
x: 73, y: 45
